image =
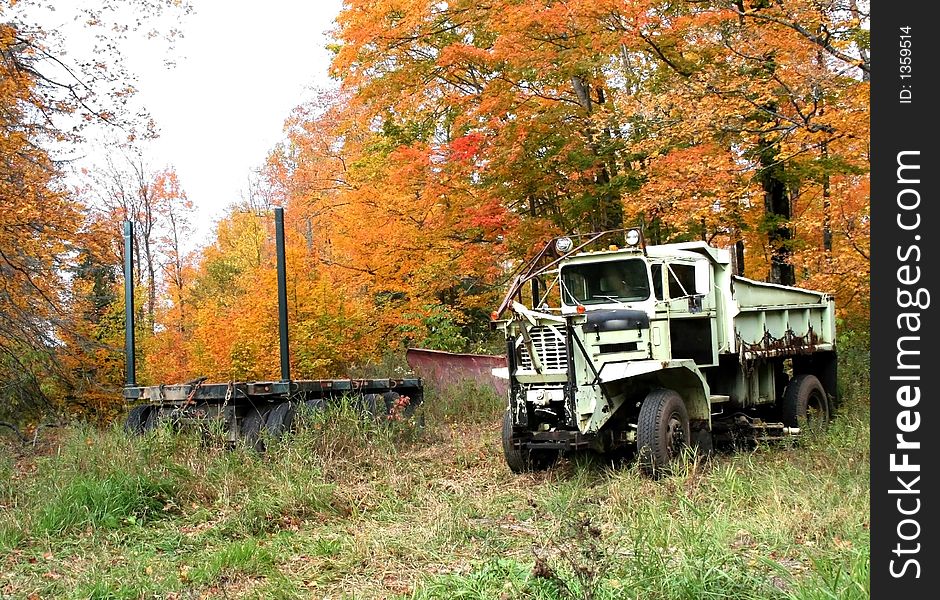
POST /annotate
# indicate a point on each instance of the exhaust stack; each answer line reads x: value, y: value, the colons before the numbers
x: 131, y: 373
x: 281, y: 292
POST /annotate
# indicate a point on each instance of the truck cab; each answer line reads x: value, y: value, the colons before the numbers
x: 646, y: 344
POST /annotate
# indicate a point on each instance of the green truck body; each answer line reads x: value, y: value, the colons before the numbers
x: 638, y: 330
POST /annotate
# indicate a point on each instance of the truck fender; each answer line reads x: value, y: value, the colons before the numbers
x: 682, y: 376
x: 688, y: 381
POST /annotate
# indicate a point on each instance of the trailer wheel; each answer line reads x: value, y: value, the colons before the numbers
x: 152, y: 419
x: 523, y: 460
x: 252, y: 423
x: 370, y: 405
x: 136, y: 419
x: 280, y: 419
x: 391, y: 400
x: 805, y: 403
x: 662, y: 430
x: 315, y: 405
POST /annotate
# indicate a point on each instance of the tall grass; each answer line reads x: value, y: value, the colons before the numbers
x: 465, y: 402
x: 354, y: 506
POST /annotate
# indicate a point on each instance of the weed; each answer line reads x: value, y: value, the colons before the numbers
x: 351, y: 506
x: 464, y: 402
x: 244, y: 557
x: 105, y: 502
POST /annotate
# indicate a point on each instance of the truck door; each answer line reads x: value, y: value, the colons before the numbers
x: 690, y: 307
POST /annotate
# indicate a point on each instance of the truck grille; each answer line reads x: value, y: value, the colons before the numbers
x: 549, y: 343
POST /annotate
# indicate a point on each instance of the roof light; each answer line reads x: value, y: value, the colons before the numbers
x: 564, y: 245
x: 633, y: 237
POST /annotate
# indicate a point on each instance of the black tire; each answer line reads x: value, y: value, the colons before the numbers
x: 280, y: 420
x: 662, y: 431
x: 373, y: 405
x: 523, y: 460
x: 251, y: 426
x: 315, y: 405
x: 136, y: 419
x: 390, y: 399
x: 152, y: 420
x: 805, y: 403
x: 308, y: 408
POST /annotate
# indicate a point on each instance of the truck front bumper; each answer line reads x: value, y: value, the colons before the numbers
x: 556, y: 440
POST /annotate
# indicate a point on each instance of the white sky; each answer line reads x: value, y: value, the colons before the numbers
x: 241, y: 68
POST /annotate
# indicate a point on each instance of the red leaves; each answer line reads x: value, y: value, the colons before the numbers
x: 467, y: 147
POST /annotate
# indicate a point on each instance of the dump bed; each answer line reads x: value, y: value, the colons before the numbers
x: 778, y: 320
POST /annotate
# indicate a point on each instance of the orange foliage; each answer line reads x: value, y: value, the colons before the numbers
x: 464, y: 134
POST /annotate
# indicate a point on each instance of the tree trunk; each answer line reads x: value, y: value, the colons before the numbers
x: 738, y: 256
x: 776, y: 215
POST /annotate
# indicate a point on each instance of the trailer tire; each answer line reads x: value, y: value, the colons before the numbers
x: 370, y: 404
x: 280, y: 419
x: 391, y: 401
x: 523, y: 460
x: 136, y: 419
x: 805, y: 403
x: 662, y: 431
x: 152, y: 420
x: 311, y: 407
x: 252, y: 424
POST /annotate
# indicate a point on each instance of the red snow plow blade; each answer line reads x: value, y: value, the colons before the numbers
x: 445, y: 369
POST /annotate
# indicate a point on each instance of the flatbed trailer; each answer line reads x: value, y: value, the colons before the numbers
x: 248, y: 410
x: 253, y: 410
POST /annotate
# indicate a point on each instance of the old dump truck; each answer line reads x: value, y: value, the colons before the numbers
x: 657, y: 348
x: 252, y: 411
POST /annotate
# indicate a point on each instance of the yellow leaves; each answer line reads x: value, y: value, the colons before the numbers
x: 459, y: 140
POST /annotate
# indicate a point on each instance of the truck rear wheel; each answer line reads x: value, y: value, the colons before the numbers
x: 805, y: 403
x: 523, y: 460
x: 662, y: 430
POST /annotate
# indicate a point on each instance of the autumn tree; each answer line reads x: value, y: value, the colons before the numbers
x: 713, y: 120
x: 403, y: 230
x: 174, y: 209
x: 39, y: 228
x: 518, y: 89
x: 47, y: 103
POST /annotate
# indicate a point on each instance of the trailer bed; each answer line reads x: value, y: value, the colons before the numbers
x: 272, y: 391
x: 254, y: 411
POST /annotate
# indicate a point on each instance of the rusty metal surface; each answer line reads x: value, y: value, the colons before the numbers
x: 789, y: 344
x: 445, y: 369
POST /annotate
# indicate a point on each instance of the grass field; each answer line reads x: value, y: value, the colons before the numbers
x: 351, y: 509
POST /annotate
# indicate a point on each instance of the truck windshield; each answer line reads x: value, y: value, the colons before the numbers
x: 609, y: 281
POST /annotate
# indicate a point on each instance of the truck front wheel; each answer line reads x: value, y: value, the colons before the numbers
x: 523, y: 460
x: 662, y: 430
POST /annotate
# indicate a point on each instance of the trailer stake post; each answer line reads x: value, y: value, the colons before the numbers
x: 281, y: 292
x: 129, y: 345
